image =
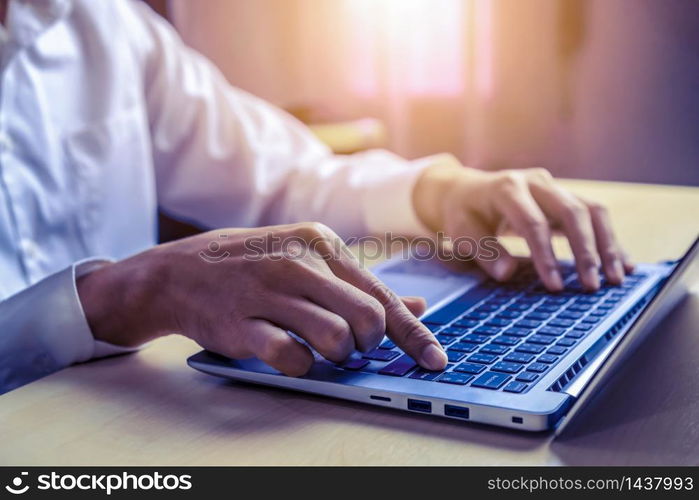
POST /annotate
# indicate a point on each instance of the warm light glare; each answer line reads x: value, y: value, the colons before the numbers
x: 409, y: 46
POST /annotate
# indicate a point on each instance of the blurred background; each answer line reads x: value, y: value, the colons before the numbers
x: 598, y: 89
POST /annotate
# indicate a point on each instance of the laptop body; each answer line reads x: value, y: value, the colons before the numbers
x: 519, y: 357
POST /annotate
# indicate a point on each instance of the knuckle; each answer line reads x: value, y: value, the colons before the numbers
x: 574, y: 210
x: 274, y: 350
x: 371, y: 319
x: 336, y: 346
x: 510, y: 180
x: 586, y: 260
x: 597, y: 208
x: 540, y: 174
x: 311, y: 230
x: 382, y: 293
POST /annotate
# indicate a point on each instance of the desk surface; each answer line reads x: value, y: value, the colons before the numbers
x: 150, y: 408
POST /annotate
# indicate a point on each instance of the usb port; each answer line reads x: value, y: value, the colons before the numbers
x: 456, y: 411
x: 419, y: 405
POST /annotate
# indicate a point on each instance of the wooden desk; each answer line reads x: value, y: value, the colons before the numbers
x: 150, y: 408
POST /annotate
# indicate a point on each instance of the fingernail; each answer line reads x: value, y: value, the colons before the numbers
x: 592, y: 279
x: 501, y: 269
x: 555, y: 280
x: 433, y: 358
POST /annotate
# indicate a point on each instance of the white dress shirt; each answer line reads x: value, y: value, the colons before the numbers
x: 105, y: 116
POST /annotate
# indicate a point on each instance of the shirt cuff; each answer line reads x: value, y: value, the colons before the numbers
x: 388, y: 203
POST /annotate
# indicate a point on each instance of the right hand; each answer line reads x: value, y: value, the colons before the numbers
x: 241, y: 301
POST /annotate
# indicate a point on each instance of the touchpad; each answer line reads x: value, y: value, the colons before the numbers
x: 430, y: 279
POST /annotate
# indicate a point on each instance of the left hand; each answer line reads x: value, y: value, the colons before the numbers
x: 466, y: 202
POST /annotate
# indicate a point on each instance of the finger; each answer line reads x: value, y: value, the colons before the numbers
x: 401, y: 325
x: 364, y: 314
x: 490, y: 256
x: 415, y: 305
x: 277, y: 348
x: 325, y: 331
x: 526, y: 217
x: 615, y: 262
x: 574, y: 217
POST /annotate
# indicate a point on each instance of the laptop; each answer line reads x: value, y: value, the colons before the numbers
x: 519, y: 356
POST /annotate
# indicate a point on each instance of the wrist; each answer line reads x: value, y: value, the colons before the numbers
x: 118, y: 302
x: 431, y: 188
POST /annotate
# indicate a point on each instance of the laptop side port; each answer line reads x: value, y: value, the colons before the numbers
x: 419, y: 405
x: 379, y: 398
x: 517, y: 420
x: 456, y: 411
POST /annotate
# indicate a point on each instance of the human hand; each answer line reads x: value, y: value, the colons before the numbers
x: 241, y: 301
x: 466, y: 202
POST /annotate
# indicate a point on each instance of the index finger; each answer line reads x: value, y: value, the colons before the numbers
x: 402, y: 326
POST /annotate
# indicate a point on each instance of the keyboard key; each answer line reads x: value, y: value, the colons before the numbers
x: 491, y: 380
x: 507, y: 367
x: 517, y: 332
x: 551, y: 330
x: 575, y: 334
x: 547, y: 358
x: 528, y: 323
x: 487, y: 308
x: 387, y: 344
x: 518, y: 307
x: 455, y: 356
x: 467, y: 367
x: 530, y: 348
x: 599, y: 313
x: 485, y: 359
x: 381, y: 355
x: 354, y: 364
x: 547, y: 308
x: 509, y: 314
x: 565, y: 342
x: 399, y: 367
x: 515, y: 387
x: 541, y: 339
x: 466, y: 323
x: 527, y: 377
x: 455, y: 378
x: 445, y: 339
x: 591, y: 320
x: 457, y: 306
x: 487, y: 330
x: 519, y: 357
x: 579, y: 307
x: 561, y: 322
x: 432, y: 327
x: 475, y: 338
x: 583, y: 327
x: 506, y: 340
x: 453, y: 331
x: 570, y: 315
x: 463, y: 347
x: 421, y: 374
x: 537, y: 367
x: 475, y: 316
x: 537, y: 316
x: 497, y: 322
x: 494, y: 349
x: 557, y: 350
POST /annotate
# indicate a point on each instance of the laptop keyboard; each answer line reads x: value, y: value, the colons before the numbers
x: 504, y: 336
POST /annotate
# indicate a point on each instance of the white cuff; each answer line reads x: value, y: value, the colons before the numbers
x: 388, y: 202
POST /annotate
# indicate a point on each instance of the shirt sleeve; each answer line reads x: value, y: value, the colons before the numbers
x: 226, y: 158
x: 44, y: 329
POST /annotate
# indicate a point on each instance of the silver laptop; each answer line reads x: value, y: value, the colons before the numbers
x: 519, y: 357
